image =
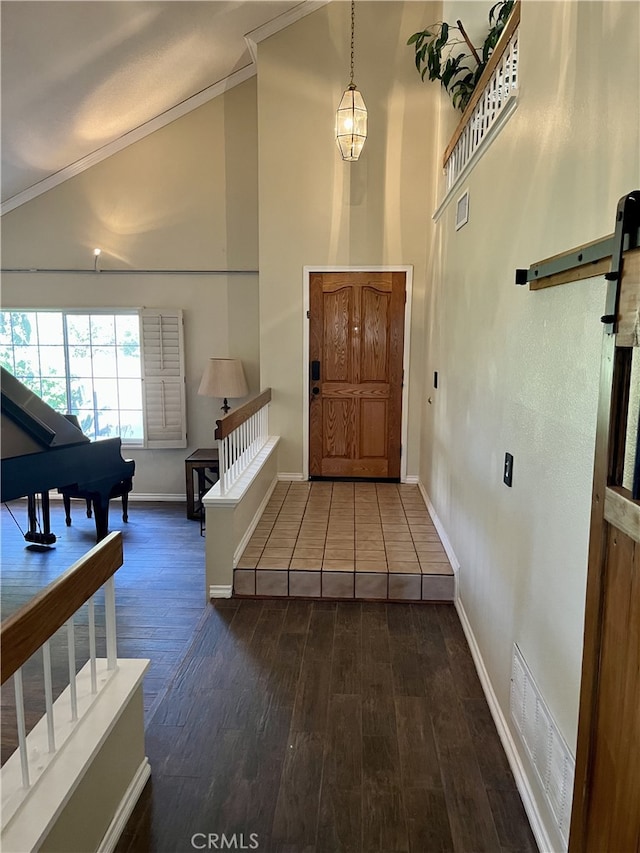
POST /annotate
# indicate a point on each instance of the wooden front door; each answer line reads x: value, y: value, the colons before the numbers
x: 356, y: 344
x: 606, y: 804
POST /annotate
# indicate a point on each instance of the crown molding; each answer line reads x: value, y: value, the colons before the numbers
x: 283, y: 21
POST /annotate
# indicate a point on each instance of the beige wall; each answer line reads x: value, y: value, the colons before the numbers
x: 185, y: 197
x: 519, y: 370
x: 316, y: 209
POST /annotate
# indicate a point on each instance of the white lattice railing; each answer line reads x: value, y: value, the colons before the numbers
x: 241, y: 435
x: 497, y: 87
x: 31, y: 629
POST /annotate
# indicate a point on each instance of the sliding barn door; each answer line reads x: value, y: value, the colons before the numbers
x: 356, y: 345
x: 606, y: 805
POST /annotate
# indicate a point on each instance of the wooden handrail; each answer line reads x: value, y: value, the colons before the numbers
x: 478, y: 92
x: 225, y: 426
x: 30, y: 627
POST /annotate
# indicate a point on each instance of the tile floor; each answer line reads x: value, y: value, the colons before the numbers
x: 369, y: 541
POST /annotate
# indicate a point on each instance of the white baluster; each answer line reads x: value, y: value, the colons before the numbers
x: 22, y: 733
x: 48, y: 695
x: 71, y: 644
x: 92, y: 644
x: 110, y: 622
x: 222, y: 462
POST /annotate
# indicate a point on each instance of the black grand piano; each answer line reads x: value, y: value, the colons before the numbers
x: 42, y: 450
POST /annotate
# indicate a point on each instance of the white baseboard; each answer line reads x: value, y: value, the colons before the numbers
x: 442, y: 533
x: 293, y: 478
x: 135, y: 497
x: 125, y: 809
x: 221, y: 591
x: 254, y: 523
x: 412, y: 479
x: 149, y: 496
x: 522, y: 782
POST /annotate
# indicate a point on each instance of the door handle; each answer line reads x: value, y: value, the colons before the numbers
x: 315, y: 390
x: 315, y: 371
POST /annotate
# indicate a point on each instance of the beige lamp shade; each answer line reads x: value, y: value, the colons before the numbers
x: 223, y: 377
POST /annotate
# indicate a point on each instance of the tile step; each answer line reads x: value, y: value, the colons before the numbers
x: 363, y: 586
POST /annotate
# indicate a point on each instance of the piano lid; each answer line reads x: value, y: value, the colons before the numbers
x: 29, y: 425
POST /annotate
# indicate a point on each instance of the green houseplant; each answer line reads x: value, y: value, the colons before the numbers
x: 458, y: 72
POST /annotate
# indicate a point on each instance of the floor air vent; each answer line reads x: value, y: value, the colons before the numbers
x: 547, y: 749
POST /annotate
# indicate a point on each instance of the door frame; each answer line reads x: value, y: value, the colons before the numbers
x: 407, y: 269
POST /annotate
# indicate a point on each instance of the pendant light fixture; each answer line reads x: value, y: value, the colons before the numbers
x: 351, y: 116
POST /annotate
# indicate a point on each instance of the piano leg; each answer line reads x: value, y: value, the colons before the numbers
x: 88, y: 507
x: 66, y: 500
x: 101, y: 513
x: 44, y: 537
x: 125, y: 506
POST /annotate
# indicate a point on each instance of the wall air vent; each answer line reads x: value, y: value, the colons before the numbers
x: 546, y: 748
x: 462, y: 210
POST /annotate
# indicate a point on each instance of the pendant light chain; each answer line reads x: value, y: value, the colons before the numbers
x: 353, y: 25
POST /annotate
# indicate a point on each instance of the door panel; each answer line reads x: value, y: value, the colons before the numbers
x: 612, y: 825
x: 373, y: 414
x: 374, y: 366
x: 338, y: 312
x: 606, y: 802
x: 357, y: 332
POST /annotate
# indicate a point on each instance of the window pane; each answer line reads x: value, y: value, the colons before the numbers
x: 87, y: 424
x: 107, y: 423
x: 33, y: 383
x: 78, y: 329
x: 54, y: 392
x: 104, y: 361
x: 106, y: 391
x: 129, y: 361
x: 130, y: 394
x: 25, y: 330
x: 52, y: 361
x: 50, y: 328
x: 81, y: 395
x: 102, y: 329
x: 79, y: 361
x: 127, y: 328
x: 131, y: 426
x: 26, y: 361
x: 6, y: 357
x: 5, y: 327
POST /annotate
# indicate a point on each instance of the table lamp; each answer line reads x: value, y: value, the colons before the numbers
x: 223, y: 377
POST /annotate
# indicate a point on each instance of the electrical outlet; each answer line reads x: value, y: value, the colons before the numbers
x: 507, y: 477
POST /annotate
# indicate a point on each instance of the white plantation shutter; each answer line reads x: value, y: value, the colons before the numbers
x: 165, y: 423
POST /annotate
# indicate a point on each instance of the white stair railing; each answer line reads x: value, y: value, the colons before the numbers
x: 241, y: 435
x: 30, y: 629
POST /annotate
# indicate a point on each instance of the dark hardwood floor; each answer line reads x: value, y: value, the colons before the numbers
x: 302, y: 727
x: 319, y: 727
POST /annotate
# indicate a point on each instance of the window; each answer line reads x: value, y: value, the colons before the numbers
x: 120, y: 372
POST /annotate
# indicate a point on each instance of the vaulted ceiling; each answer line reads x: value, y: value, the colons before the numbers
x: 81, y: 78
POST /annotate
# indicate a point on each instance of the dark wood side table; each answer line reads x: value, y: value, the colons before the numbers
x: 204, y: 462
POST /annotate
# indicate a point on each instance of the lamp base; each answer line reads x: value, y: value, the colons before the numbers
x: 225, y: 406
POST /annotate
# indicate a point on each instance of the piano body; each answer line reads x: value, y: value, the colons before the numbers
x: 42, y: 450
